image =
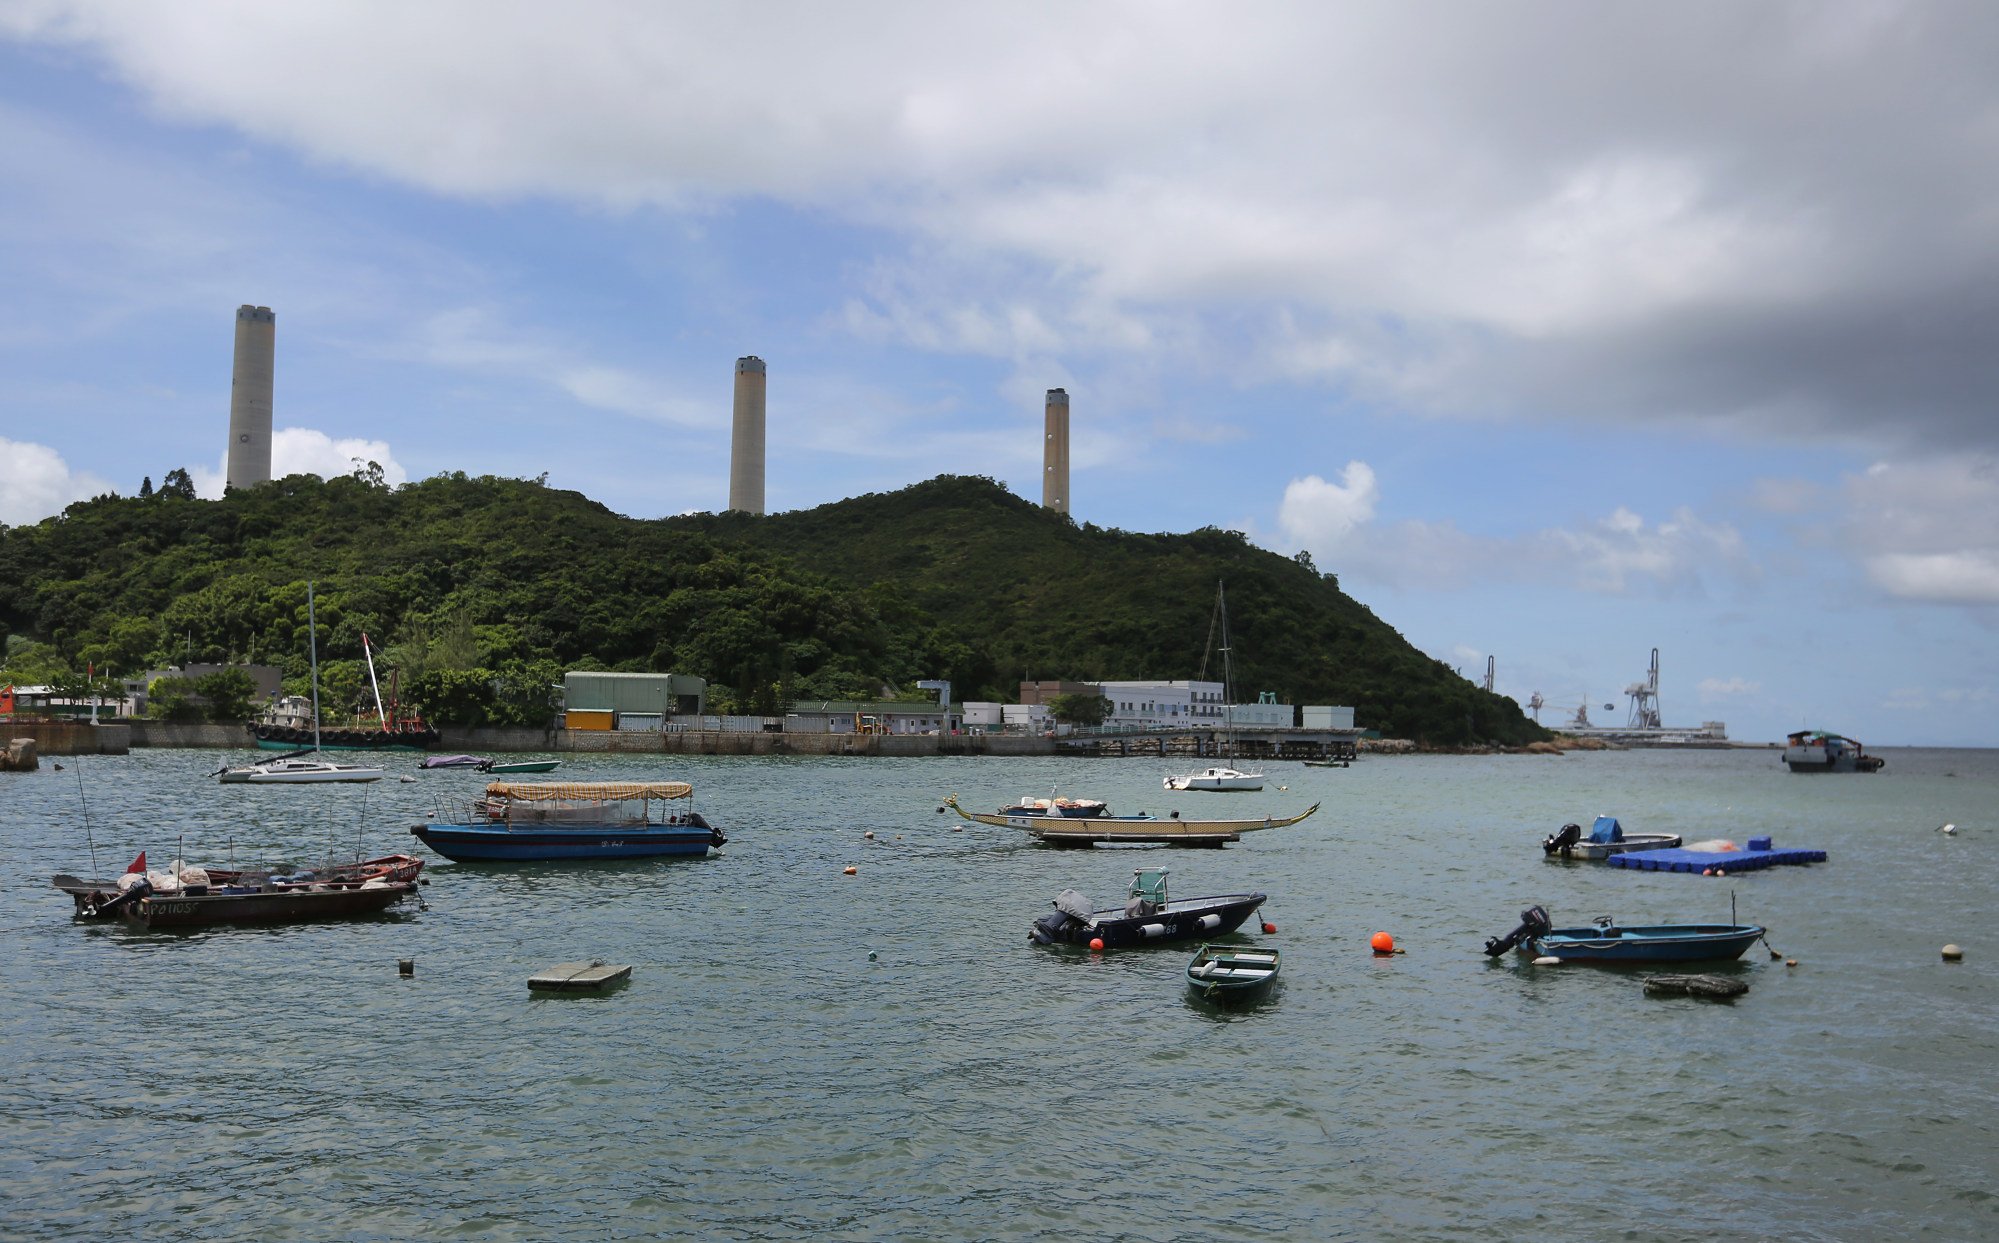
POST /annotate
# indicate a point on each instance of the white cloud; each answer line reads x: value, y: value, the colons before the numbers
x: 306, y: 451
x: 1523, y: 213
x: 1714, y: 690
x: 1618, y: 555
x: 35, y: 483
x: 1928, y: 530
x: 1320, y: 515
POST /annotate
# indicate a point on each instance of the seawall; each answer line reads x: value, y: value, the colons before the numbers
x: 69, y: 737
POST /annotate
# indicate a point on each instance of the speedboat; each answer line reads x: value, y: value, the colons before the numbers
x: 1606, y: 941
x: 1079, y: 808
x: 1149, y: 917
x: 1170, y: 830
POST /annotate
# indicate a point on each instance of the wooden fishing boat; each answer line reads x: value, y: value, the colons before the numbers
x: 195, y: 897
x: 1606, y: 838
x: 1226, y: 973
x: 1091, y: 830
x: 1150, y: 917
x: 519, y: 821
x: 1608, y: 942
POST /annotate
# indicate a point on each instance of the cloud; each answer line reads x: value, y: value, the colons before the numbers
x: 305, y: 451
x: 35, y: 483
x: 1618, y: 555
x: 1519, y: 215
x: 1715, y: 690
x: 1928, y: 530
x: 1319, y: 515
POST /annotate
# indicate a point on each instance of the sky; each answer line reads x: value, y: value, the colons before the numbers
x: 1559, y: 331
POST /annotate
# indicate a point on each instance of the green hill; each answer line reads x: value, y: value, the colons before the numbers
x: 482, y: 590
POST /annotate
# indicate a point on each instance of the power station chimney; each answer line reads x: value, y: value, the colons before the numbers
x: 250, y: 398
x: 746, y: 446
x: 1055, y: 453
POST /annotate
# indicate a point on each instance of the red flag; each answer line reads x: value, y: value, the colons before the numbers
x: 138, y: 865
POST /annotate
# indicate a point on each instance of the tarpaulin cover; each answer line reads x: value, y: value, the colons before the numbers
x: 587, y: 791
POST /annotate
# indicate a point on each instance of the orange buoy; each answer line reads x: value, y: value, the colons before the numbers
x: 1268, y: 927
x: 850, y: 871
x: 1097, y: 945
x: 1707, y: 871
x: 1383, y: 943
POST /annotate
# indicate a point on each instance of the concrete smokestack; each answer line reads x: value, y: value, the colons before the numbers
x: 250, y: 397
x: 1055, y: 453
x: 746, y: 446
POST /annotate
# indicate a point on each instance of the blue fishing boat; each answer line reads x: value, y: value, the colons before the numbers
x: 1607, y: 941
x: 521, y: 821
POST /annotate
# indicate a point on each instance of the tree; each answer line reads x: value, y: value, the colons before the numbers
x: 172, y: 699
x: 228, y: 692
x: 146, y: 488
x: 177, y: 483
x: 1080, y: 709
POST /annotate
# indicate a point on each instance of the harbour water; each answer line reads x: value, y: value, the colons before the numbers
x: 761, y: 1077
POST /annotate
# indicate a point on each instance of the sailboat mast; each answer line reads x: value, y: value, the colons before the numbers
x: 1228, y: 668
x: 380, y: 715
x: 312, y: 646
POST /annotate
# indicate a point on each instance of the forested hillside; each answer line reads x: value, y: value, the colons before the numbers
x: 480, y: 591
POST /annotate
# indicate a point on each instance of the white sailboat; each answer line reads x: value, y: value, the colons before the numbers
x: 303, y: 769
x: 1221, y: 777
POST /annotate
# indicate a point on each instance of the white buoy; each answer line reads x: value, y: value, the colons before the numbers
x: 1948, y: 830
x: 1547, y: 961
x: 1952, y: 953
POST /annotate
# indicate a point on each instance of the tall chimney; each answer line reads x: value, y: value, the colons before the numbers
x: 1055, y: 453
x: 746, y: 446
x: 250, y: 398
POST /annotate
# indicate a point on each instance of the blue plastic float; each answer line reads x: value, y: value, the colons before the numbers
x: 1760, y: 855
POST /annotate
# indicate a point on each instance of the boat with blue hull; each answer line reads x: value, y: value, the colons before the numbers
x: 516, y: 822
x: 1608, y: 942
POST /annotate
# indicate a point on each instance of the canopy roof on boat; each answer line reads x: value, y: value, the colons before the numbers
x: 587, y: 791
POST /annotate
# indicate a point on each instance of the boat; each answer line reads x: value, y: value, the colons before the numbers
x: 488, y: 765
x: 392, y: 732
x: 1816, y: 751
x: 1221, y: 778
x: 303, y: 767
x: 184, y: 897
x: 1606, y: 941
x: 1150, y: 917
x: 519, y: 821
x: 1091, y: 830
x: 1226, y: 973
x: 1327, y: 763
x: 297, y: 770
x: 520, y: 766
x: 1073, y: 808
x: 1606, y: 838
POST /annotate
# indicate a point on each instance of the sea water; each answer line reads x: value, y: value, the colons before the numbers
x: 801, y: 1052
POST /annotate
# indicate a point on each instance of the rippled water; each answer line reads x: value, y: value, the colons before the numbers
x: 761, y: 1078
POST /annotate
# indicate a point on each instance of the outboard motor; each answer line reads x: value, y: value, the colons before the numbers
x: 1533, y: 922
x: 717, y: 838
x: 1569, y: 836
x: 1065, y: 924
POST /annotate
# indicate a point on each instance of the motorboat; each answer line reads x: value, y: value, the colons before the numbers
x: 1148, y: 917
x: 515, y: 821
x: 1169, y: 830
x: 1606, y: 838
x: 1607, y: 941
x: 1217, y: 778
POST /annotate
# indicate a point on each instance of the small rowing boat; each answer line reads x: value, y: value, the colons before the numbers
x: 1225, y: 973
